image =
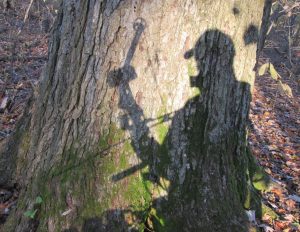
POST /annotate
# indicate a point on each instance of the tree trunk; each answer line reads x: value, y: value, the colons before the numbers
x: 140, y: 119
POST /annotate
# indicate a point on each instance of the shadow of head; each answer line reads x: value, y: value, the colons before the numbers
x: 121, y: 75
x: 212, y: 49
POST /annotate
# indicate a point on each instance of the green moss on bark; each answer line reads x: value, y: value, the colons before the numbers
x: 78, y: 178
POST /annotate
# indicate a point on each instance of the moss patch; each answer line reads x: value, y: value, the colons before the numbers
x: 260, y: 180
x: 267, y: 210
x: 192, y: 70
x: 161, y: 128
x: 258, y: 177
x: 80, y: 178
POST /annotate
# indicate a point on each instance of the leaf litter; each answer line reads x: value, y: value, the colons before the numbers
x: 23, y: 53
x: 274, y: 128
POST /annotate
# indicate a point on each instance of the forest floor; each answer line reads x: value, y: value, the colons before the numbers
x: 23, y: 53
x: 275, y: 141
x: 274, y: 124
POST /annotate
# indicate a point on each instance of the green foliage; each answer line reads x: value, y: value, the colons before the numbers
x: 157, y: 219
x: 39, y: 200
x: 286, y: 89
x: 263, y: 69
x: 30, y: 213
x: 269, y: 67
x: 273, y: 72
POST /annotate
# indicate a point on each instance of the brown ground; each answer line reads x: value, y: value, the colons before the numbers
x: 274, y: 118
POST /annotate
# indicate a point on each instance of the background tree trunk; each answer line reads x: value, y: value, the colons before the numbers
x: 119, y: 140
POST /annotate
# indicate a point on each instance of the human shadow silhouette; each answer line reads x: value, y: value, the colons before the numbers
x: 196, y: 138
x: 191, y: 158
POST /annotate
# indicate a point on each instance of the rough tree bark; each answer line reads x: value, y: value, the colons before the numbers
x: 117, y: 138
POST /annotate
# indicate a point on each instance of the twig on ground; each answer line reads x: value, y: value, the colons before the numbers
x: 26, y: 16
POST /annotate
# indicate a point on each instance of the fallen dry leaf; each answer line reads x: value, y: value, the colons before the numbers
x: 290, y: 203
x: 277, y: 191
x: 280, y: 225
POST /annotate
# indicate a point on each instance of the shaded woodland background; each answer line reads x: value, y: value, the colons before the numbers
x: 274, y: 126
